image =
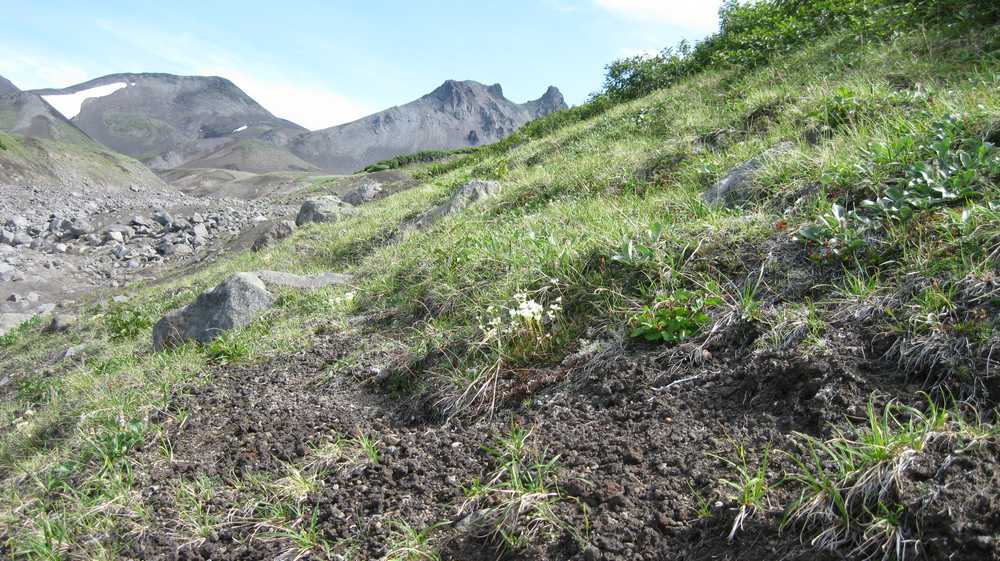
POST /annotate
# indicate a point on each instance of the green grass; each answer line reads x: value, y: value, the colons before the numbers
x: 600, y: 221
x: 516, y: 503
x: 749, y: 483
x: 850, y: 482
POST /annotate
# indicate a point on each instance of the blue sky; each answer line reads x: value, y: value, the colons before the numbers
x: 322, y: 63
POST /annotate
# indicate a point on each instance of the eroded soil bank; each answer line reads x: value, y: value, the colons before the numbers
x: 642, y: 440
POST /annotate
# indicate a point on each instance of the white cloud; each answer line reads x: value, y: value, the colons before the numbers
x: 310, y: 106
x: 697, y: 15
x: 29, y: 72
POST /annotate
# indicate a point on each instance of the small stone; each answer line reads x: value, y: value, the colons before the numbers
x: 60, y: 323
x: 163, y: 218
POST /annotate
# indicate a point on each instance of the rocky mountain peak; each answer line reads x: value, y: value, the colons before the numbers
x: 454, y: 115
x: 550, y: 102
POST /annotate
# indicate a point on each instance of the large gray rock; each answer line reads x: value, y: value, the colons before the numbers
x: 364, y: 194
x: 238, y: 301
x: 466, y: 196
x: 276, y: 231
x: 734, y: 189
x: 324, y: 209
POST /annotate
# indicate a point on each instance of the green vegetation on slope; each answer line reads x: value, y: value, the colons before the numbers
x: 881, y: 223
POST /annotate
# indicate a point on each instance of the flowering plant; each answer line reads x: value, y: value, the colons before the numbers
x: 524, y: 327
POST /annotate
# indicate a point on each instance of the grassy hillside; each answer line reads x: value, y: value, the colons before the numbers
x: 596, y: 363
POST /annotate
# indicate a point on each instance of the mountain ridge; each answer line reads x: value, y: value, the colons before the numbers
x: 171, y: 121
x: 166, y: 120
x: 466, y: 113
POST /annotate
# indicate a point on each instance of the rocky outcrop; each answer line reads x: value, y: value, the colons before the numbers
x: 272, y: 232
x: 238, y: 301
x: 324, y: 209
x: 278, y: 279
x: 365, y: 193
x: 734, y: 189
x: 466, y: 196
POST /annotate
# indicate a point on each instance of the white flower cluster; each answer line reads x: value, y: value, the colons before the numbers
x: 526, y: 316
x: 347, y: 298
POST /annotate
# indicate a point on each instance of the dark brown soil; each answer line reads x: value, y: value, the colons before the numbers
x: 639, y: 435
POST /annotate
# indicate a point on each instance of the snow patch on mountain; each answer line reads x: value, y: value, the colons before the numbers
x: 70, y: 104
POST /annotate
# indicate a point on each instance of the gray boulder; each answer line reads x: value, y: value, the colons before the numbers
x: 364, y: 194
x: 734, y: 189
x: 165, y: 247
x: 7, y: 272
x: 163, y: 218
x: 142, y: 223
x: 17, y: 223
x: 324, y: 209
x: 467, y: 195
x: 20, y: 238
x: 238, y: 301
x: 78, y: 228
x: 123, y: 231
x: 272, y: 233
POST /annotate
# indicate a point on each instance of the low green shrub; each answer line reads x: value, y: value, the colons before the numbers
x: 14, y: 335
x: 674, y: 318
x: 950, y: 165
x: 751, y: 33
x: 127, y: 322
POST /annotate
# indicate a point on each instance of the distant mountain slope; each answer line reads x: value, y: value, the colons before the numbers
x: 43, y: 162
x: 250, y: 155
x: 27, y: 114
x: 6, y: 87
x: 171, y: 122
x: 167, y: 120
x: 454, y: 115
x: 39, y: 146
